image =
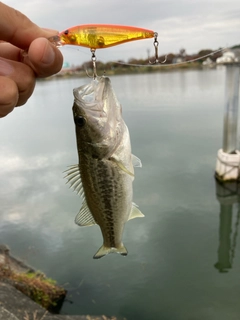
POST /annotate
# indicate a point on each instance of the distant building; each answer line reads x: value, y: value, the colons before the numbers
x: 67, y: 69
x: 181, y: 57
x: 208, y: 62
x: 66, y: 65
x: 229, y: 56
x: 178, y: 59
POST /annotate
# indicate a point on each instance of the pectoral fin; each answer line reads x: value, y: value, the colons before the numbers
x: 135, y: 213
x: 84, y: 218
x: 122, y: 166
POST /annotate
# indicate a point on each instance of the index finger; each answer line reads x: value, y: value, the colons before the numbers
x: 17, y: 29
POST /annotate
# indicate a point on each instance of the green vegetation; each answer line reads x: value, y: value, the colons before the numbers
x: 237, y: 46
x: 36, y: 286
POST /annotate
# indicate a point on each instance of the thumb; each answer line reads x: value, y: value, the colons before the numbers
x: 44, y: 58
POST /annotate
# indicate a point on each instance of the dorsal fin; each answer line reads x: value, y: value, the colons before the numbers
x: 74, y: 179
x: 84, y: 218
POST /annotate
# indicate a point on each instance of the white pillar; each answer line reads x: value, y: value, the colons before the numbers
x: 231, y: 109
x: 228, y: 158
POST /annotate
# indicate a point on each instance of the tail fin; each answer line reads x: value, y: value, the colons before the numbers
x: 103, y: 251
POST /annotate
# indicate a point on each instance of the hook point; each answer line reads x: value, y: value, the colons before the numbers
x: 156, y: 61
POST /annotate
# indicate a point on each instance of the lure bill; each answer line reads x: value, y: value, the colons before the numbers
x: 99, y: 36
x: 105, y: 172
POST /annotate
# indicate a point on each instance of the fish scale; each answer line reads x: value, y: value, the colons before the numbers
x: 101, y: 198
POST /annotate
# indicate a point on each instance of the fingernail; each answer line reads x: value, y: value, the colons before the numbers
x: 5, y: 68
x: 49, y: 55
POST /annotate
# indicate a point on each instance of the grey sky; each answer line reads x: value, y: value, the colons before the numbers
x: 189, y: 24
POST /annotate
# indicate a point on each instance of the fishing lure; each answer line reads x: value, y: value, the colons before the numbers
x: 100, y: 36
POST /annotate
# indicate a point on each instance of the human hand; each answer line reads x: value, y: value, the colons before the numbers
x: 18, y: 71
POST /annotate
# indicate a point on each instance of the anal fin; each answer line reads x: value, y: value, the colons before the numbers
x: 136, y: 161
x: 135, y: 213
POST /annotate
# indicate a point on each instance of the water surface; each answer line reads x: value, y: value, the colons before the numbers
x: 175, y: 255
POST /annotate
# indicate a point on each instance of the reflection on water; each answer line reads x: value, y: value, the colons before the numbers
x: 175, y: 123
x: 228, y: 195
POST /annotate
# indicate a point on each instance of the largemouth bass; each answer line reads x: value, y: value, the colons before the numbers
x: 105, y: 171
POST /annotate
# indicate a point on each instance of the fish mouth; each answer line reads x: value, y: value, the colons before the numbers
x: 91, y: 96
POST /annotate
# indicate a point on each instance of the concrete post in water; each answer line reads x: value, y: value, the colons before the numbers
x: 228, y: 160
x: 231, y: 109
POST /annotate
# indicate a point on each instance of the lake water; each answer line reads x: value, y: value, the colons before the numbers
x: 181, y: 264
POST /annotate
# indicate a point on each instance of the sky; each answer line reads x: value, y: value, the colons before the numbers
x: 189, y: 24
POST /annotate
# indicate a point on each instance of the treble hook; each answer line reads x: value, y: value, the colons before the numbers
x: 156, y: 43
x: 94, y: 59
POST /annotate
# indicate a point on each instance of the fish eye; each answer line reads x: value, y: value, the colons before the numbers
x: 66, y: 32
x: 79, y: 121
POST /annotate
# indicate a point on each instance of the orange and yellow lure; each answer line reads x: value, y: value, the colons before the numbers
x: 99, y: 36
